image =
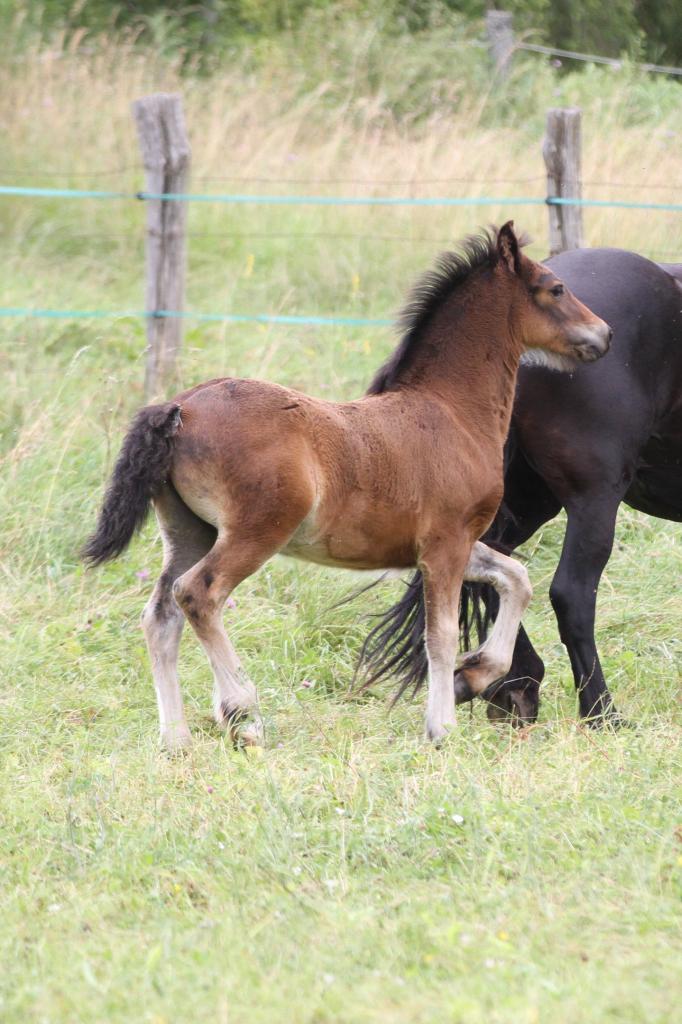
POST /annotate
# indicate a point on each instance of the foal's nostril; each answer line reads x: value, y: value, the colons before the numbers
x: 610, y: 335
x: 589, y: 353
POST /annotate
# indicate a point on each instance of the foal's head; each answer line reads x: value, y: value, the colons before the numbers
x: 554, y: 328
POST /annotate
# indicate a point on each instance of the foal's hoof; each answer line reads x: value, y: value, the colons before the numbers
x: 473, y: 674
x: 437, y: 734
x: 176, y: 740
x: 250, y: 734
x: 244, y: 726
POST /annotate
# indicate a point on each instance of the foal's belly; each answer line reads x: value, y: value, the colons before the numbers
x: 328, y: 552
x: 322, y: 556
x: 352, y: 546
x: 319, y: 555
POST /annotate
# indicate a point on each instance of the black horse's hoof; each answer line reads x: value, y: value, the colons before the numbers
x: 515, y: 701
x: 610, y: 719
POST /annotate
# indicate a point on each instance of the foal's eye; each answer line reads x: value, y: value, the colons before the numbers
x: 557, y: 290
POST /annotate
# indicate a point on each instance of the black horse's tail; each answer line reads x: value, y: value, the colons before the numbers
x: 140, y: 471
x: 395, y: 646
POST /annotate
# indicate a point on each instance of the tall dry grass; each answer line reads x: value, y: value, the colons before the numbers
x: 354, y: 114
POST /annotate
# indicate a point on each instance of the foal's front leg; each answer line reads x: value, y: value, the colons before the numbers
x: 493, y: 658
x: 442, y: 574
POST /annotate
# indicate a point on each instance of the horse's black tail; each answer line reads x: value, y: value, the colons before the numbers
x: 140, y: 471
x: 395, y: 646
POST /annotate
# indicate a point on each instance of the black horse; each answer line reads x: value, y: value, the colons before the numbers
x: 584, y: 441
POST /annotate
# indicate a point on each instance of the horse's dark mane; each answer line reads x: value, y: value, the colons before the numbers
x: 451, y: 269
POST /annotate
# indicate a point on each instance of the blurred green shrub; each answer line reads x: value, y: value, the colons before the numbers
x: 648, y: 29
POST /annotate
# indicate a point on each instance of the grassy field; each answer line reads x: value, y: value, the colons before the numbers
x: 349, y: 873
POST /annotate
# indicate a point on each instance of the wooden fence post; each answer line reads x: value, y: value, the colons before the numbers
x: 499, y: 27
x: 562, y: 152
x: 166, y: 156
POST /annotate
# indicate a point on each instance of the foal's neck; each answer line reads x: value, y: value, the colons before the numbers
x: 468, y: 354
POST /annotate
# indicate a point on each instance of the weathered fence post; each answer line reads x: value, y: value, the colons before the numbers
x: 499, y: 27
x: 166, y: 156
x: 562, y: 153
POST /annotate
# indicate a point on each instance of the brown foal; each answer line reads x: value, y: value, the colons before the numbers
x: 409, y: 475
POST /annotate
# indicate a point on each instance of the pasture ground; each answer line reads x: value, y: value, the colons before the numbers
x: 349, y: 874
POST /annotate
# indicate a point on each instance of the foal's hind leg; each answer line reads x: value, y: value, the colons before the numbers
x: 201, y: 593
x: 493, y: 658
x: 186, y: 539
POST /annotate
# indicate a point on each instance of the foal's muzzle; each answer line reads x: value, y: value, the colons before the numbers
x: 591, y: 342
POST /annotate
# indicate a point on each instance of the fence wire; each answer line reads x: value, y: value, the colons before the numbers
x: 289, y: 200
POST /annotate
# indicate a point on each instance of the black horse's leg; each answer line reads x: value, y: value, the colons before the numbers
x: 517, y: 696
x: 587, y: 548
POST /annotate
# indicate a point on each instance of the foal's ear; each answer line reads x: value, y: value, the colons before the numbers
x: 508, y: 247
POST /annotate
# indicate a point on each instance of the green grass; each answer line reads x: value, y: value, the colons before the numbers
x: 330, y: 879
x: 350, y: 873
